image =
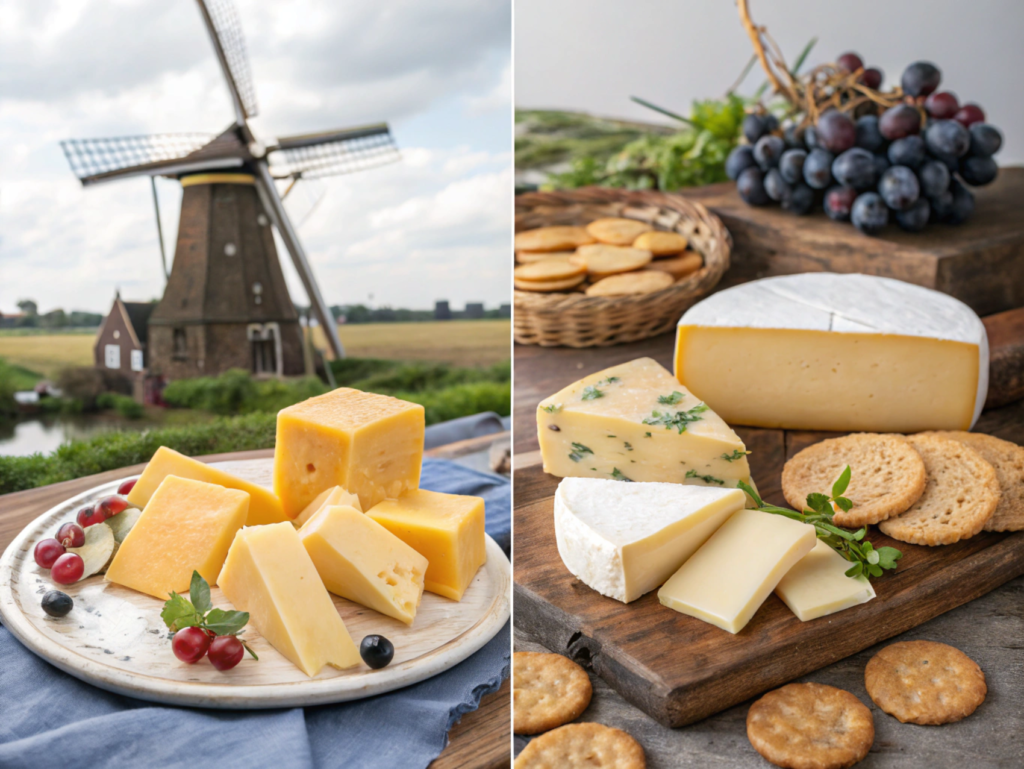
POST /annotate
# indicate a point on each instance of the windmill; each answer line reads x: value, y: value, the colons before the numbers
x: 226, y: 304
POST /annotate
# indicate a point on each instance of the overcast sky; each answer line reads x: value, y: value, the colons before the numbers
x: 434, y: 226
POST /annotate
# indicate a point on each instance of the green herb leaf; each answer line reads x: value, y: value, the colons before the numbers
x: 843, y: 503
x: 178, y: 612
x: 679, y: 420
x: 819, y: 503
x: 887, y: 557
x: 224, y: 622
x: 670, y: 400
x: 248, y: 649
x: 856, y: 570
x: 736, y: 454
x: 705, y: 478
x: 590, y: 392
x: 199, y: 592
x: 628, y: 445
x: 617, y: 475
x: 578, y: 450
x: 552, y: 408
x: 747, y: 489
x: 647, y: 435
x: 841, y: 483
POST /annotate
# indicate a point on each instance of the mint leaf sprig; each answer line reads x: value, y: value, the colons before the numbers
x: 180, y: 612
x: 867, y: 560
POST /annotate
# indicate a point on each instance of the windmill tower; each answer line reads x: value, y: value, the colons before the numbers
x: 226, y: 304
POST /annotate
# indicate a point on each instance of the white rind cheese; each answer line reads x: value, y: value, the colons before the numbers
x: 835, y: 352
x: 625, y: 539
x: 818, y: 585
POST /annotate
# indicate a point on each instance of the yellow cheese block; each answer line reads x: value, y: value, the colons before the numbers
x: 370, y: 444
x: 360, y: 560
x: 817, y: 585
x: 636, y: 422
x: 447, y: 528
x: 187, y: 525
x: 269, y: 574
x: 264, y: 507
x: 327, y: 498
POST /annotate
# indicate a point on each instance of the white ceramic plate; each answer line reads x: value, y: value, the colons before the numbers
x: 114, y: 637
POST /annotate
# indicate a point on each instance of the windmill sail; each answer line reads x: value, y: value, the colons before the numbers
x: 328, y: 153
x: 225, y: 28
x: 96, y: 160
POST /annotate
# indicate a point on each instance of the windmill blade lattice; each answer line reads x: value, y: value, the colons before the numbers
x: 93, y: 157
x: 334, y: 152
x: 228, y: 26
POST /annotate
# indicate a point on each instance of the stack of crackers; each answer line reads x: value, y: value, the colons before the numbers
x: 932, y: 488
x: 608, y: 257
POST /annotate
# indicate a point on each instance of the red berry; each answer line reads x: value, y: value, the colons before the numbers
x: 111, y: 506
x: 190, y: 644
x: 48, y: 551
x: 226, y: 651
x: 941, y: 105
x: 125, y: 488
x: 969, y: 114
x: 90, y: 516
x: 872, y: 78
x: 71, y: 535
x: 850, y: 62
x: 67, y: 569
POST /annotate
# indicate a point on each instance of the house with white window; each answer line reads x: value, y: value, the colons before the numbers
x: 121, y: 346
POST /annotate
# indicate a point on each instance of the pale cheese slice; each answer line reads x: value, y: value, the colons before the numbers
x: 625, y: 539
x: 823, y: 351
x: 817, y: 585
x: 729, y: 577
x: 336, y: 495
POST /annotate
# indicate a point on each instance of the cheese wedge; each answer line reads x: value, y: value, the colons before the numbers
x: 269, y: 574
x: 635, y: 422
x: 187, y: 525
x: 360, y: 560
x: 729, y: 577
x: 817, y: 585
x: 626, y: 539
x: 327, y: 498
x: 370, y: 444
x: 446, y: 528
x: 264, y: 507
x: 835, y: 352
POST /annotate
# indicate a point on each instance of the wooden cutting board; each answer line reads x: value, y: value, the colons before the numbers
x: 981, y: 262
x: 677, y: 668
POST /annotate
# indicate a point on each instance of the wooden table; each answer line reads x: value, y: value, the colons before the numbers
x: 989, y: 629
x: 479, y: 741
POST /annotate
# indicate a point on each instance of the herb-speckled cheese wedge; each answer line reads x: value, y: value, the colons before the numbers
x: 636, y: 422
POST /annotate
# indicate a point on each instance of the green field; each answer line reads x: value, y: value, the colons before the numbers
x: 459, y: 343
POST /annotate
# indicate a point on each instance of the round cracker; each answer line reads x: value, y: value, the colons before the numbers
x: 552, y: 239
x: 640, y: 282
x: 1008, y: 460
x: 959, y: 498
x: 549, y: 269
x: 548, y: 690
x: 616, y: 231
x: 582, y: 746
x: 887, y: 476
x: 661, y: 243
x: 810, y: 726
x: 601, y: 260
x: 923, y: 682
x: 549, y: 286
x: 678, y: 266
x: 529, y: 257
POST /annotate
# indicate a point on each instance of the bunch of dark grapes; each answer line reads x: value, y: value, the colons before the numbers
x: 912, y: 163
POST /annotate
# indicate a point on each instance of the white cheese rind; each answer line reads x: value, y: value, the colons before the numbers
x: 845, y: 304
x: 817, y: 585
x: 624, y: 539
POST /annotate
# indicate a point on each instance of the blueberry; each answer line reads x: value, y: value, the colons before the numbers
x: 376, y: 651
x: 741, y: 158
x: 947, y: 138
x: 839, y: 201
x: 869, y: 213
x: 57, y: 604
x: 768, y: 150
x: 977, y: 171
x: 799, y: 200
x: 818, y: 168
x: 934, y: 178
x: 899, y: 188
x: 855, y: 168
x: 750, y: 186
x: 915, y: 217
x: 775, y: 186
x: 908, y: 151
x: 791, y: 165
x: 985, y: 139
x: 868, y: 135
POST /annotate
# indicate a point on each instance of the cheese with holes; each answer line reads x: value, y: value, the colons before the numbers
x: 371, y: 445
x: 626, y: 539
x: 448, y: 529
x: 264, y: 506
x: 327, y: 498
x: 818, y: 585
x: 729, y: 577
x: 360, y: 560
x: 269, y: 574
x: 835, y: 352
x: 635, y: 422
x: 187, y: 525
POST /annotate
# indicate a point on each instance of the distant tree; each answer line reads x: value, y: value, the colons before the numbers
x: 54, y: 319
x: 28, y: 307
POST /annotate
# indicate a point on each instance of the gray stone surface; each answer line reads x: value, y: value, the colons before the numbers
x: 990, y: 630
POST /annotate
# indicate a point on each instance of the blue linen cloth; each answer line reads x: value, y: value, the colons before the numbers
x: 50, y: 720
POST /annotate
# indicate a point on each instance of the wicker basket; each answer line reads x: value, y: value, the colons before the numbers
x: 577, y: 320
